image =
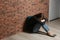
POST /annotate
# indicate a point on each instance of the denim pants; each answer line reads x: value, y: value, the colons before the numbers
x: 37, y: 27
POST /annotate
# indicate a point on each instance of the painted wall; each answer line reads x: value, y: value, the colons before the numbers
x: 14, y: 12
x: 59, y: 11
x: 59, y: 8
x: 53, y: 9
x: 59, y: 14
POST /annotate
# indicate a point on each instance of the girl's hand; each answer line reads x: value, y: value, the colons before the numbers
x: 43, y: 20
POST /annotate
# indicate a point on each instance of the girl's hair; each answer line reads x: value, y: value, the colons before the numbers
x: 39, y: 15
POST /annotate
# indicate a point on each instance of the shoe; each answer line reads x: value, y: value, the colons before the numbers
x: 51, y: 35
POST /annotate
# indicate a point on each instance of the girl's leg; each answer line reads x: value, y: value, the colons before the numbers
x: 47, y: 30
x: 37, y: 27
x: 45, y: 27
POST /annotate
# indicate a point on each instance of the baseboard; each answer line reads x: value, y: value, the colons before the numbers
x: 59, y: 17
x: 55, y: 19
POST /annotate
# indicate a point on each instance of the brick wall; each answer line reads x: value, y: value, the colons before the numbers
x: 14, y: 12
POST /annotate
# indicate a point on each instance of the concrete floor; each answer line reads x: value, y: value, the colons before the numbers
x: 53, y: 25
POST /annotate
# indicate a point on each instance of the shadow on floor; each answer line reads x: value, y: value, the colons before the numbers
x: 40, y: 32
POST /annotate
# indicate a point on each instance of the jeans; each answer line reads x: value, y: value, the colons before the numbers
x: 37, y: 27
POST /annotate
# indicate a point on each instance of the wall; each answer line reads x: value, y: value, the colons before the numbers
x: 59, y: 14
x: 53, y: 9
x: 59, y: 11
x: 14, y: 12
x: 59, y: 8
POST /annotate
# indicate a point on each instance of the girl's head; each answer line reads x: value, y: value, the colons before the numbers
x: 39, y: 15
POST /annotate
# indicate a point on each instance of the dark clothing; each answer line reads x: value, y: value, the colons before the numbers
x: 31, y: 21
x: 35, y: 20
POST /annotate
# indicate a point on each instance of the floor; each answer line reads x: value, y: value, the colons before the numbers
x: 53, y: 25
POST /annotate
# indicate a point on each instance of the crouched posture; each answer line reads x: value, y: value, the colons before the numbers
x: 35, y: 22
